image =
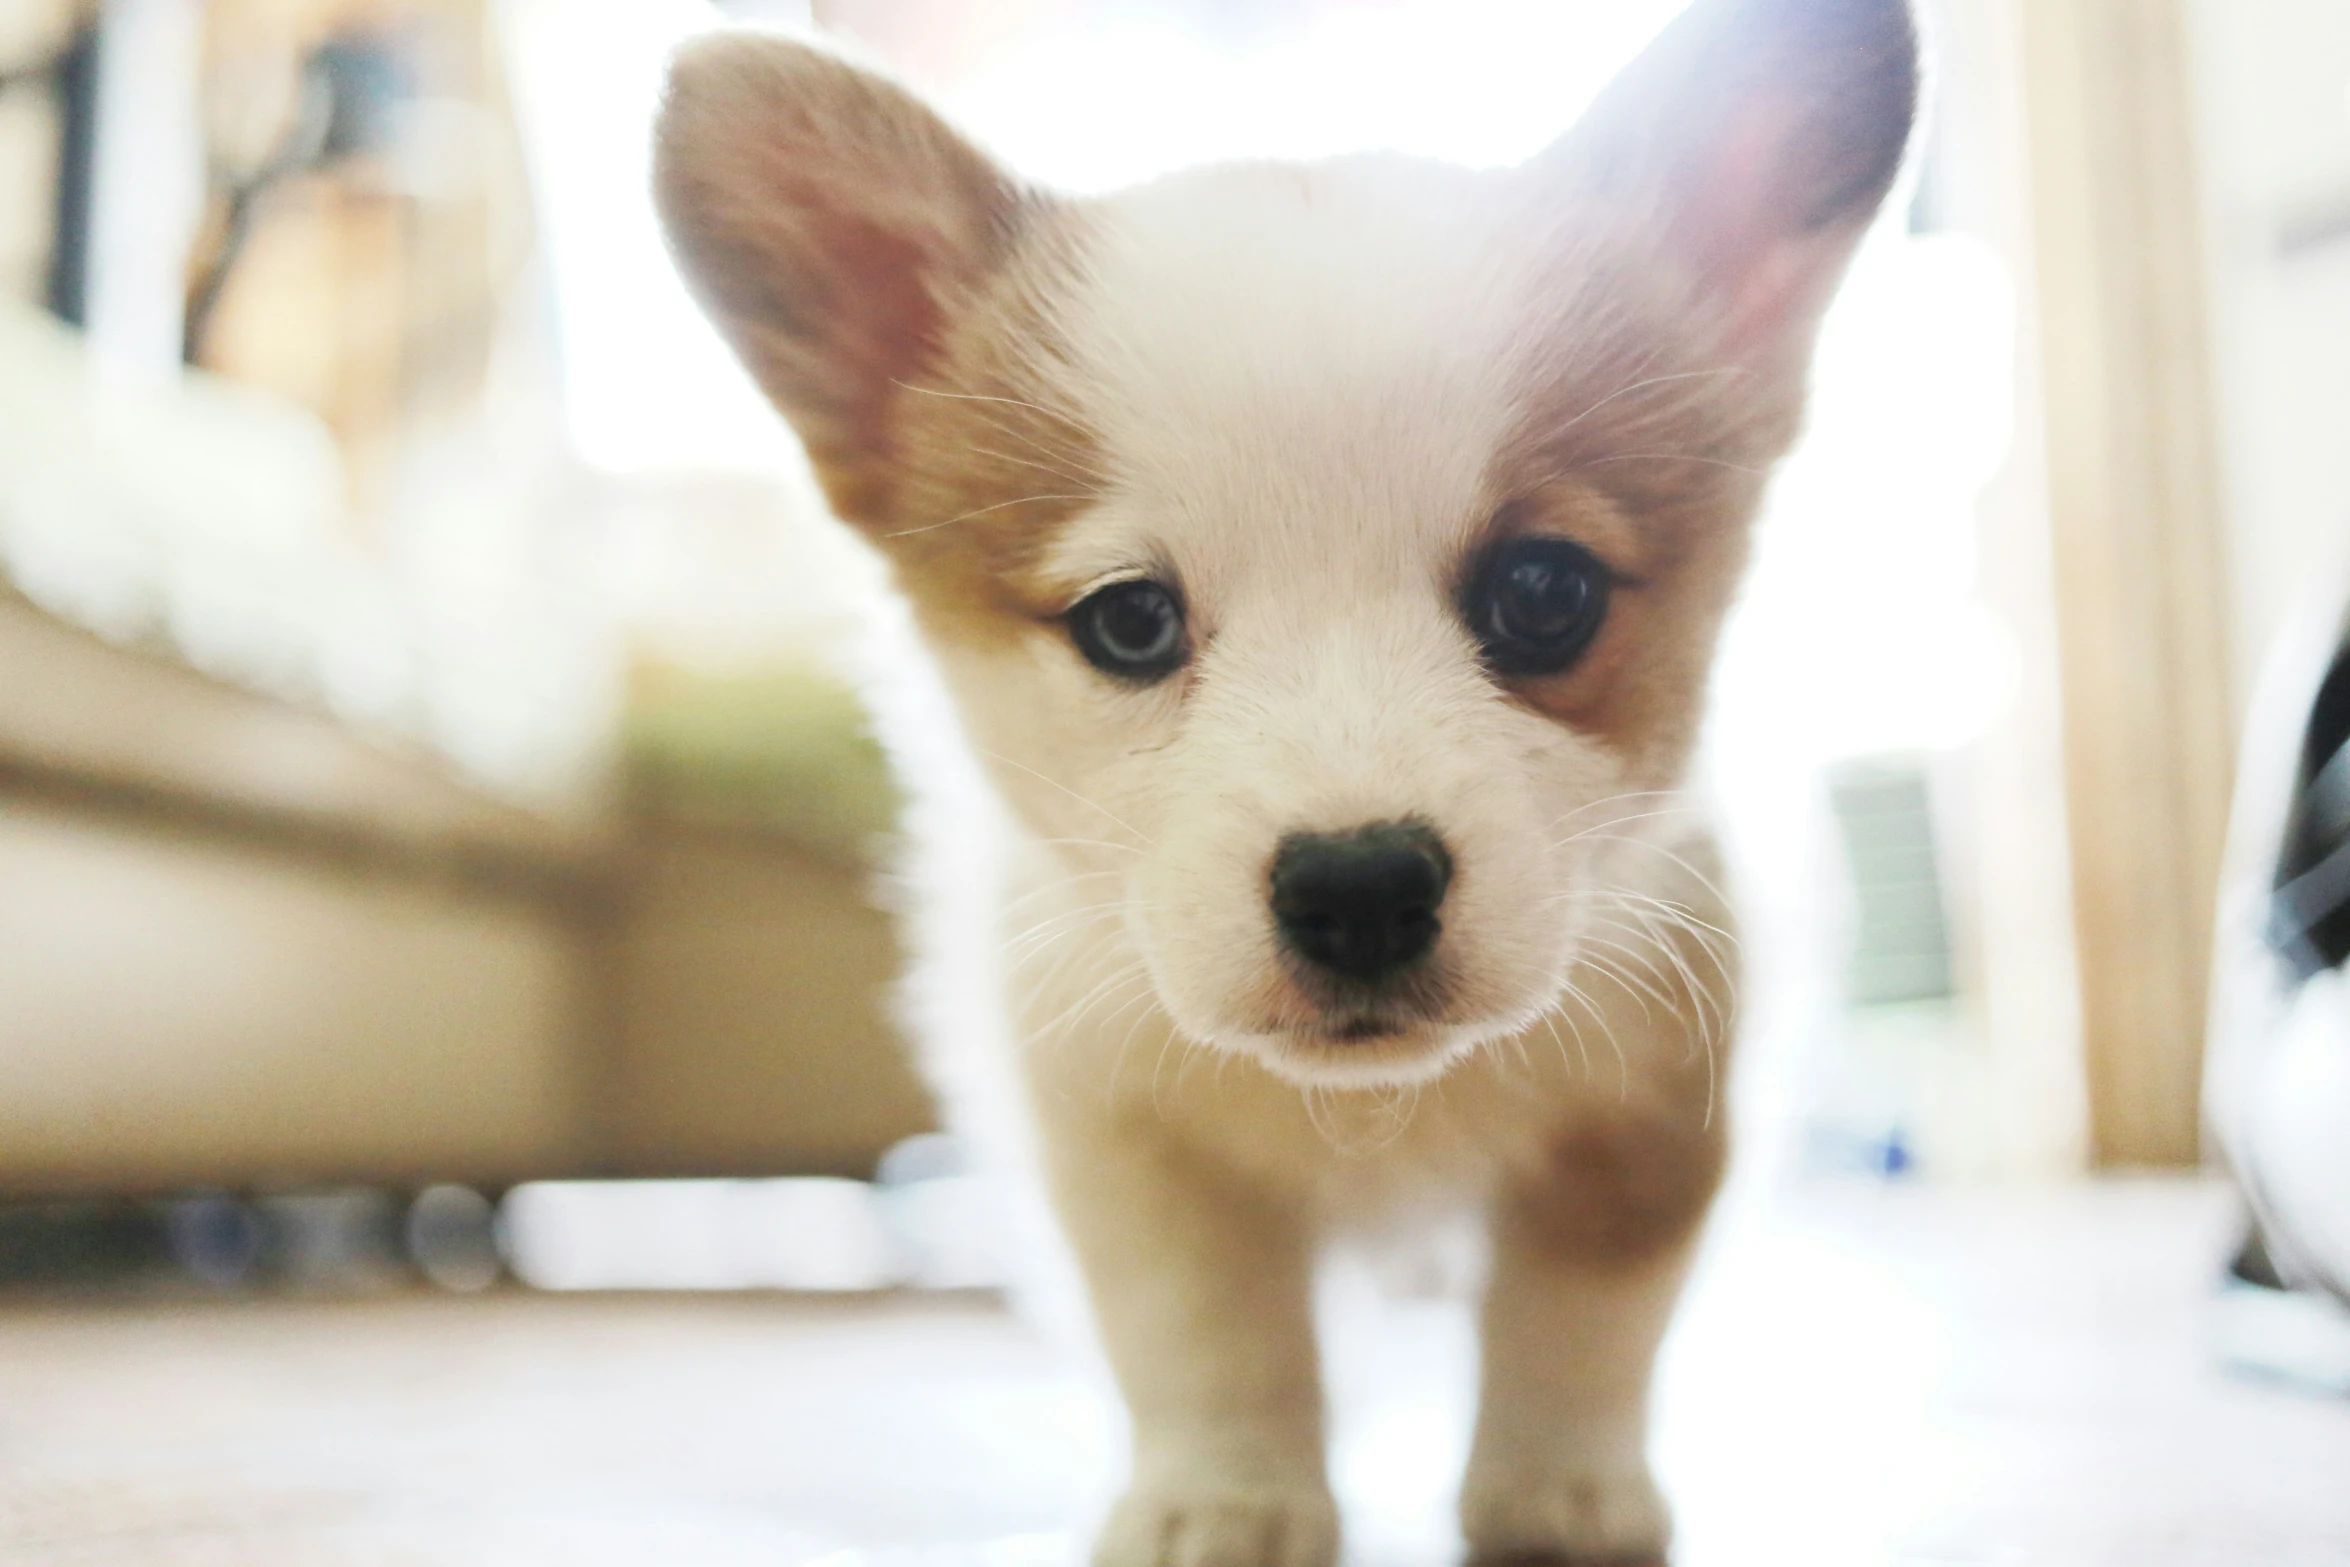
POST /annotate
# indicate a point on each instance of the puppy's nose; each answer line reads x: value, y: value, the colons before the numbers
x: 1361, y: 904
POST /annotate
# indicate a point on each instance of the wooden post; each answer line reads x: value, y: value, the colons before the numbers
x: 2133, y: 496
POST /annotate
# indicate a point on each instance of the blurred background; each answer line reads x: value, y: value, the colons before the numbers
x: 437, y: 849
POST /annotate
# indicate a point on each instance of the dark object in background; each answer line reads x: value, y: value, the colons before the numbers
x: 75, y: 73
x: 2253, y: 1264
x: 2309, y: 916
x: 354, y: 88
x: 100, y: 1244
x: 2267, y: 1328
x: 2278, y: 1069
x: 452, y: 1237
x: 215, y: 1238
x: 350, y: 1240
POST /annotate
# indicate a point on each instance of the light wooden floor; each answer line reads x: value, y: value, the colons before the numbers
x: 1863, y: 1376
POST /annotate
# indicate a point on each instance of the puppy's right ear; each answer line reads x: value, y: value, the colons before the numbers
x: 1760, y: 136
x: 832, y: 226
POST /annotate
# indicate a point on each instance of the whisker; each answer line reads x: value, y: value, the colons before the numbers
x: 1600, y: 830
x: 1647, y: 382
x: 1116, y: 980
x: 1695, y: 457
x: 1071, y: 793
x: 1055, y: 469
x: 1118, y: 1061
x: 1058, y: 884
x: 1158, y: 1069
x: 1624, y: 983
x: 981, y: 397
x: 1561, y: 820
x: 1087, y: 843
x: 1656, y: 978
x: 1701, y: 992
x: 1550, y: 1020
x: 1088, y: 906
x: 1075, y: 452
x: 1678, y: 911
x: 1055, y: 926
x: 981, y: 511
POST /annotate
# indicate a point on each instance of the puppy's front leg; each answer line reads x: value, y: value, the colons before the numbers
x: 1201, y: 1285
x: 1589, y: 1251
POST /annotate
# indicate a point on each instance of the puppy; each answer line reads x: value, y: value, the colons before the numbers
x: 1324, y: 562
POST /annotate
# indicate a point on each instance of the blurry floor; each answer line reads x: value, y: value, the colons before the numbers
x: 1865, y: 1376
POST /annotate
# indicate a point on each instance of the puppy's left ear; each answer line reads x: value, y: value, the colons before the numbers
x: 1754, y: 140
x: 833, y: 227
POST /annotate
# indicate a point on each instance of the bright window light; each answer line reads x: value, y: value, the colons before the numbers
x: 1480, y: 82
x: 650, y: 388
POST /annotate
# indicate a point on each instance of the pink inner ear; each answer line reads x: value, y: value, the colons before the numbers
x: 1750, y: 228
x: 881, y: 321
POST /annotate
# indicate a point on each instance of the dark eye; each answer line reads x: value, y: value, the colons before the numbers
x: 1133, y: 630
x: 1536, y: 603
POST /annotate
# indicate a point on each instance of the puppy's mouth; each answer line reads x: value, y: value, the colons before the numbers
x: 1357, y: 1030
x: 1323, y: 1015
x: 1316, y: 1026
x: 1314, y: 1001
x: 1361, y: 1052
x: 1396, y: 1035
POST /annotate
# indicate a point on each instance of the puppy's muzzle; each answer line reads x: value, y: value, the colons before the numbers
x: 1361, y: 905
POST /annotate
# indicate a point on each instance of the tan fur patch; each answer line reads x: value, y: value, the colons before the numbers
x: 1627, y: 1178
x: 991, y: 464
x: 1639, y: 445
x: 1623, y: 1187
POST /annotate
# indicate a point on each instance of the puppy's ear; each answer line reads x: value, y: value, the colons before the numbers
x: 1756, y: 138
x: 832, y: 226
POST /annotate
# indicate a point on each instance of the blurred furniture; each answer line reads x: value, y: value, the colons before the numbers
x: 246, y: 946
x: 749, y: 961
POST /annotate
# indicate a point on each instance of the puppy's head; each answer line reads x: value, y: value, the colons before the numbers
x: 1327, y: 557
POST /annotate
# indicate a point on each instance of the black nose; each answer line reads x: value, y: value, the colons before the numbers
x: 1363, y: 903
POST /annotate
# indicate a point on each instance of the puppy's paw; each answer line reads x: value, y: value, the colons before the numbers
x: 1220, y: 1526
x: 1588, y: 1517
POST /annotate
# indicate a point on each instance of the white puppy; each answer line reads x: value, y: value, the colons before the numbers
x: 1325, y: 562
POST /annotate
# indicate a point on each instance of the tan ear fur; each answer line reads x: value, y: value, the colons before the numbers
x: 831, y: 225
x: 1761, y: 136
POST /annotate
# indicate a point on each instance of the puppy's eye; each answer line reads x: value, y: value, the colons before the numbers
x: 1133, y: 630
x: 1535, y: 604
